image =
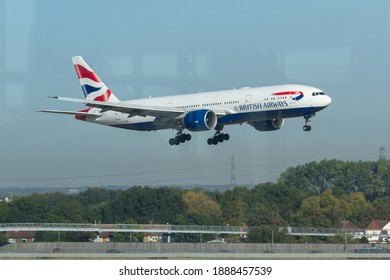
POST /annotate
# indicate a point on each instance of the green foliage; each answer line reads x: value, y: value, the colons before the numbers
x: 4, y: 212
x: 364, y: 240
x: 268, y: 234
x: 382, y: 208
x: 200, y: 209
x: 127, y: 237
x: 317, y: 194
x: 273, y: 204
x: 145, y: 205
x: 94, y: 196
x: 326, y: 210
x: 234, y: 205
x: 3, y: 237
x: 77, y: 236
x: 36, y: 208
x: 48, y: 236
x: 371, y: 178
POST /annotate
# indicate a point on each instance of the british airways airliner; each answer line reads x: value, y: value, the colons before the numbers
x: 264, y: 108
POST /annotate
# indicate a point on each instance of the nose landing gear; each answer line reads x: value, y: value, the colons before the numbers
x: 307, y: 127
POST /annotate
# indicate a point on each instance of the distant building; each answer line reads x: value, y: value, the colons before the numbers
x: 73, y: 191
x: 349, y: 226
x: 377, y: 228
x: 6, y: 200
x: 352, y: 229
x: 21, y: 236
x: 152, y: 237
x: 103, y: 237
x: 158, y: 237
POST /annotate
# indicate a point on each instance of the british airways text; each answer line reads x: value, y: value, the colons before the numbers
x: 265, y: 105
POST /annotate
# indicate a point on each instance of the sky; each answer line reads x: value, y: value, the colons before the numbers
x: 156, y: 48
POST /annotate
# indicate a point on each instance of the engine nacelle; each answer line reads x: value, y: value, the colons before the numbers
x: 268, y: 125
x: 200, y: 120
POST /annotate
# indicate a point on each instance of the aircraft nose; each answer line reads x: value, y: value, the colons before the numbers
x: 327, y: 100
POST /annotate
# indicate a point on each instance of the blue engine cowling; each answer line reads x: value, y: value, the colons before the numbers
x: 200, y: 120
x: 268, y: 125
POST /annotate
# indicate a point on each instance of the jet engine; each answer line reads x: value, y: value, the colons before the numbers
x: 200, y: 120
x: 268, y: 125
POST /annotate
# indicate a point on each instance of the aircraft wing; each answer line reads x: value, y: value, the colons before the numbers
x: 137, y: 110
x: 133, y: 109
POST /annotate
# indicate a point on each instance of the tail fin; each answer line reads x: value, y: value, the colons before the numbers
x: 92, y: 85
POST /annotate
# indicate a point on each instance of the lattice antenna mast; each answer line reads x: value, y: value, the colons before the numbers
x: 382, y: 155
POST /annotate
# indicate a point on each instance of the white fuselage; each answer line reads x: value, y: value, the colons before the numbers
x: 231, y: 106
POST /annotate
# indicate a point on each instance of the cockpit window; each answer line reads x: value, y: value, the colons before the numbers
x: 317, y: 93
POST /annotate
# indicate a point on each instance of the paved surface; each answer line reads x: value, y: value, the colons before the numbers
x: 193, y: 256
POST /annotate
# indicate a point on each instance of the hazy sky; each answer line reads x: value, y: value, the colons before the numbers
x: 155, y: 48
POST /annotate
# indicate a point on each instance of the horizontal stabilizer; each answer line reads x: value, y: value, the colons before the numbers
x: 69, y: 99
x: 70, y: 113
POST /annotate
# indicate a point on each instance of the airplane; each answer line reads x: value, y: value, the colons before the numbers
x: 264, y: 108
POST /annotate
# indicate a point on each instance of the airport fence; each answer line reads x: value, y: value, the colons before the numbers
x: 183, y: 248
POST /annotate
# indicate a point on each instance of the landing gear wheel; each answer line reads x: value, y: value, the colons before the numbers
x: 218, y: 138
x: 180, y: 138
x: 306, y: 127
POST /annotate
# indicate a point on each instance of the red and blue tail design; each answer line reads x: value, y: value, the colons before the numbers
x: 91, y: 84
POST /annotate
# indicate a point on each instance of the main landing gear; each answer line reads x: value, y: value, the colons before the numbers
x: 183, y: 137
x: 180, y: 138
x: 218, y: 138
x: 307, y: 127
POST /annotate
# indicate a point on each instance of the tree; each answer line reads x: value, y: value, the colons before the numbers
x: 4, y: 212
x: 94, y: 196
x: 372, y: 178
x: 201, y: 209
x: 360, y: 211
x: 127, y: 237
x: 234, y: 205
x: 330, y: 208
x: 310, y: 214
x: 271, y: 203
x: 268, y: 234
x: 381, y: 208
x: 67, y: 209
x: 380, y: 184
x: 321, y: 211
x: 3, y: 237
x: 29, y: 209
x: 145, y: 205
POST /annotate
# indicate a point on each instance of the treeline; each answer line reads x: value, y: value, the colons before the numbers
x: 369, y: 177
x: 317, y: 194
